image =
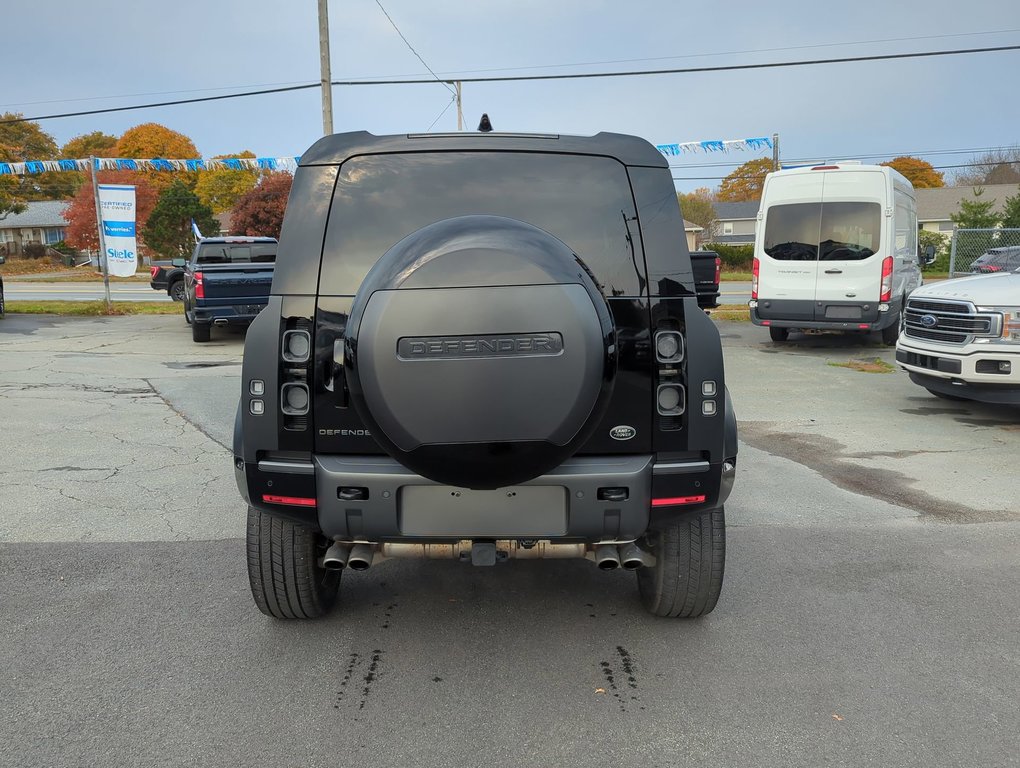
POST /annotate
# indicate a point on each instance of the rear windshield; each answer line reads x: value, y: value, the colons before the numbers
x: 840, y: 231
x: 235, y: 253
x: 381, y: 199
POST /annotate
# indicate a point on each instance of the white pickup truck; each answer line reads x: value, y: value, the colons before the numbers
x: 960, y: 338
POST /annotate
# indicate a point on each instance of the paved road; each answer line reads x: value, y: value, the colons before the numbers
x: 869, y: 616
x: 734, y: 292
x: 24, y: 290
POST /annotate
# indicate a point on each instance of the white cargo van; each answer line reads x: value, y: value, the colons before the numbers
x: 835, y: 249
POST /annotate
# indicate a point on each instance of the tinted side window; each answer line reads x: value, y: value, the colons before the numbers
x: 213, y: 253
x: 380, y: 199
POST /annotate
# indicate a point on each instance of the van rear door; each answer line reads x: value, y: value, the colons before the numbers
x: 850, y: 251
x: 788, y: 251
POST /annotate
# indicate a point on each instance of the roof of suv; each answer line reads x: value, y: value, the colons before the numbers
x: 630, y: 150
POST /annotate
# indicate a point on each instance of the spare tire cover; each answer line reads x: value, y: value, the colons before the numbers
x: 480, y: 352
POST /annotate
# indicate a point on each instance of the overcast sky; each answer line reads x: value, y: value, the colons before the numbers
x: 66, y: 55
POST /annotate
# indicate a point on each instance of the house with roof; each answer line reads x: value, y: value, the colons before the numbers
x: 734, y: 223
x: 42, y: 222
x: 934, y: 206
x: 692, y: 231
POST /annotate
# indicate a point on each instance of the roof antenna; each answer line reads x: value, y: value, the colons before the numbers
x: 485, y: 126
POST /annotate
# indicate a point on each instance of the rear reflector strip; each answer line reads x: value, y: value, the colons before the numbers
x: 676, y: 501
x: 292, y: 501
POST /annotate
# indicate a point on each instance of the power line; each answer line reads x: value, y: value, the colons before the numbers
x: 841, y: 156
x: 693, y: 70
x: 758, y: 175
x: 518, y: 78
x: 411, y: 49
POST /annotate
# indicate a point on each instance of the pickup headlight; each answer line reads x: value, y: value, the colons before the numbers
x: 1010, y: 333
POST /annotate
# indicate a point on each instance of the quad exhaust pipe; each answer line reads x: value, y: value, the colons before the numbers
x: 608, y: 557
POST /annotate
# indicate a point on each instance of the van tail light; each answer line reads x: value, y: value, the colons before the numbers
x: 754, y: 279
x: 886, y: 279
x: 718, y: 270
x: 153, y: 271
x: 199, y: 286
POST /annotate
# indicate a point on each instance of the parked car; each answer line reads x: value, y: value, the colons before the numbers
x: 961, y: 338
x: 1004, y: 259
x: 707, y: 267
x: 226, y: 282
x: 835, y: 249
x: 483, y: 347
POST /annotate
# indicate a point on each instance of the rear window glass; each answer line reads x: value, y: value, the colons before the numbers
x: 235, y: 253
x: 839, y: 231
x: 381, y: 199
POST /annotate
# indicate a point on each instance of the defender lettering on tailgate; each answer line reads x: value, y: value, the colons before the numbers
x: 494, y: 345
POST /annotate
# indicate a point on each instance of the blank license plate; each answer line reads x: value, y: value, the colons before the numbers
x: 518, y: 512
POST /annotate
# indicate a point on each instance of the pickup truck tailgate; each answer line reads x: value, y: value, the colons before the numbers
x: 237, y: 282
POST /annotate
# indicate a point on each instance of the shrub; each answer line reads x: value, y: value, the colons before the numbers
x: 735, y: 258
x: 34, y: 250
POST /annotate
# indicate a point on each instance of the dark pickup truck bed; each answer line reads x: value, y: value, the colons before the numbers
x: 227, y: 283
x: 706, y: 266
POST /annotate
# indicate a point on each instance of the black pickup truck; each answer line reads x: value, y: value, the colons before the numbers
x: 226, y: 282
x: 707, y: 266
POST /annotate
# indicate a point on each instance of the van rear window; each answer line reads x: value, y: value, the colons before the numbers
x: 838, y: 231
x: 584, y: 201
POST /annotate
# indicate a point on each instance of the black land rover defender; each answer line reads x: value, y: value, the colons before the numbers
x: 483, y: 347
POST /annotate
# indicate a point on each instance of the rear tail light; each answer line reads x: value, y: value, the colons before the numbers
x: 886, y: 279
x: 297, y: 346
x: 676, y: 501
x: 718, y: 269
x: 669, y: 347
x: 153, y: 271
x: 670, y: 399
x: 754, y: 279
x: 199, y: 286
x: 290, y: 501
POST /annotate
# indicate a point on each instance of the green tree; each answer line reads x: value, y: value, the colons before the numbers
x: 977, y: 213
x: 920, y: 173
x: 745, y: 183
x: 220, y: 189
x: 168, y: 231
x: 1011, y: 212
x: 697, y: 207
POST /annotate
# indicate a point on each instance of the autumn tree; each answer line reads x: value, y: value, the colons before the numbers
x: 95, y: 144
x: 151, y: 140
x: 697, y: 207
x: 25, y: 140
x: 81, y: 213
x: 168, y: 230
x: 745, y: 183
x: 221, y: 188
x: 919, y: 172
x: 260, y: 211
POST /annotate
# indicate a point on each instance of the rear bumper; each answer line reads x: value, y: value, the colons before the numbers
x: 157, y: 285
x: 236, y: 314
x: 587, y: 498
x: 803, y: 319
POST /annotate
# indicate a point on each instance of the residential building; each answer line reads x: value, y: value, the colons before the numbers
x: 41, y: 222
x: 692, y: 231
x: 934, y: 206
x: 734, y: 223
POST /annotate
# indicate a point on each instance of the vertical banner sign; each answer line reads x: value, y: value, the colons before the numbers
x: 117, y: 208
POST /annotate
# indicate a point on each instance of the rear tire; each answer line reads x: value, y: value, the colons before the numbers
x: 287, y: 581
x: 177, y: 290
x: 200, y: 332
x: 779, y: 334
x: 687, y: 577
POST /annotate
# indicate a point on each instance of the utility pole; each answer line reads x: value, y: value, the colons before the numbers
x: 775, y: 151
x: 460, y: 109
x: 102, y: 239
x: 327, y: 89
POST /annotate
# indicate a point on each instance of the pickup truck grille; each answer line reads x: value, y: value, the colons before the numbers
x: 948, y: 322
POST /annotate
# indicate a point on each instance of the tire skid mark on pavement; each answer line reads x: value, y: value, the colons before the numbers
x: 622, y: 685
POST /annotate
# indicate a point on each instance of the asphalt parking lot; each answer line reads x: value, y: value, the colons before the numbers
x: 869, y: 616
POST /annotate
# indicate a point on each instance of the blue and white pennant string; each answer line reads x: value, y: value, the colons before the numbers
x: 692, y: 147
x: 156, y: 163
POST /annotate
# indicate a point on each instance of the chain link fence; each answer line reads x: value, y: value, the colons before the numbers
x: 984, y: 251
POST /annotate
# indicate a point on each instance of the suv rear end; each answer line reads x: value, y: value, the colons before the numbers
x: 484, y: 347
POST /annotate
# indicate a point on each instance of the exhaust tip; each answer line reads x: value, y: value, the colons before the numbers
x: 632, y: 565
x: 361, y: 557
x: 336, y: 556
x: 607, y: 557
x: 608, y: 565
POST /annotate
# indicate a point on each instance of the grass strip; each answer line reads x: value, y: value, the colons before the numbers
x: 93, y: 308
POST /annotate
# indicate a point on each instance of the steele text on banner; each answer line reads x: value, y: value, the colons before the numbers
x: 117, y: 208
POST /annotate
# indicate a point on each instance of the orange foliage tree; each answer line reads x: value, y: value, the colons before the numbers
x: 151, y: 140
x: 919, y: 172
x: 745, y: 183
x: 81, y: 213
